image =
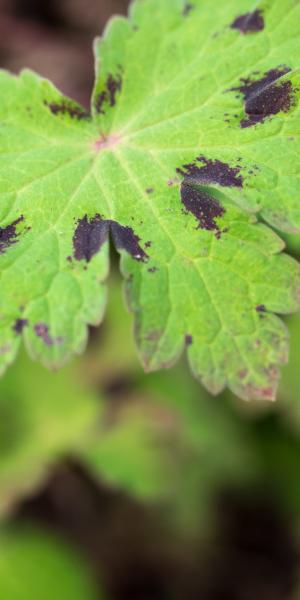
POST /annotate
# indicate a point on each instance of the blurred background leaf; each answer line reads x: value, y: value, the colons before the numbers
x: 38, y: 566
x: 43, y: 416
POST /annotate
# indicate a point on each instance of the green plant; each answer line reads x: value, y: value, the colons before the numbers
x: 187, y: 161
x: 45, y: 567
x: 148, y: 440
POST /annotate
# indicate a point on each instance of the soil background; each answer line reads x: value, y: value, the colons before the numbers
x: 55, y: 39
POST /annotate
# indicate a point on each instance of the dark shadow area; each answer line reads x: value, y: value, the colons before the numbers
x: 253, y: 555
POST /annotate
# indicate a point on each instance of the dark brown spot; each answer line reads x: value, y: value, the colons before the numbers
x: 19, y: 325
x: 266, y: 96
x: 187, y: 9
x: 89, y: 236
x: 202, y: 205
x: 113, y: 85
x: 188, y: 339
x: 148, y: 244
x: 152, y: 270
x: 99, y: 102
x: 67, y: 108
x: 9, y: 235
x: 260, y: 308
x: 211, y: 172
x: 149, y: 190
x: 250, y: 22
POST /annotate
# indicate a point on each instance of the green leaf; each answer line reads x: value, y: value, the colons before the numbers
x: 35, y: 565
x: 194, y: 129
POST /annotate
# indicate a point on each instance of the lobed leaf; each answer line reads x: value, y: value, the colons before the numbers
x: 192, y: 142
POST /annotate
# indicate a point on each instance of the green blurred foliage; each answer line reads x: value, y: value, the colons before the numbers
x: 35, y: 565
x: 129, y: 454
x: 289, y: 391
x: 159, y: 437
x: 43, y: 416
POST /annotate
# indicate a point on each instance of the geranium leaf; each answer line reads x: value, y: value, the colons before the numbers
x: 194, y: 130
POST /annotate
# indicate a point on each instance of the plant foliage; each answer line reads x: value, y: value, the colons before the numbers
x: 187, y: 159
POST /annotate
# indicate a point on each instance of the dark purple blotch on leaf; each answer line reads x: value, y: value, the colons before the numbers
x: 266, y: 96
x: 42, y: 331
x: 188, y: 339
x: 250, y: 22
x: 9, y: 235
x: 200, y: 202
x: 19, y: 325
x: 75, y: 111
x: 113, y: 85
x: 90, y: 235
x: 206, y: 172
x: 125, y: 239
x: 202, y: 205
x: 260, y: 308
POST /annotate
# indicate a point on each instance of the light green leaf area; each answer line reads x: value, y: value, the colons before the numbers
x: 176, y: 82
x: 35, y: 565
